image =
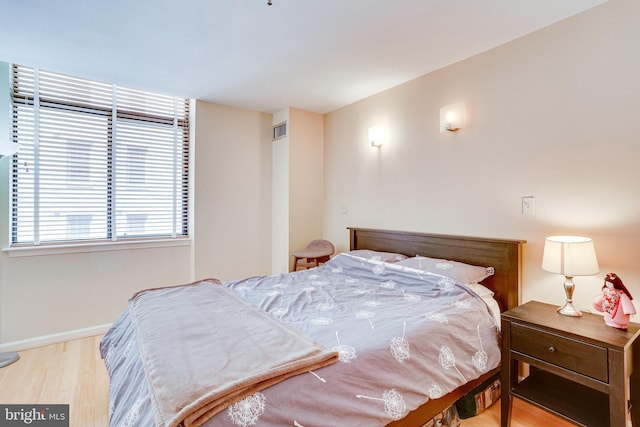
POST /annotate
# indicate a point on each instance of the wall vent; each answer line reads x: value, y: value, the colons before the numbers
x: 279, y: 130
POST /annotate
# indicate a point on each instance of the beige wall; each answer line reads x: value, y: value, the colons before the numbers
x: 53, y: 294
x: 552, y: 115
x: 306, y: 191
x: 73, y: 294
x: 280, y: 259
x: 232, y: 192
x: 298, y: 194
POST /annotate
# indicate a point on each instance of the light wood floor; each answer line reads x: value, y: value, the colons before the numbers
x: 73, y: 372
x: 524, y: 415
x: 70, y: 373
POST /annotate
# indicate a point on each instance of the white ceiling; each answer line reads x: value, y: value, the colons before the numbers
x: 317, y: 55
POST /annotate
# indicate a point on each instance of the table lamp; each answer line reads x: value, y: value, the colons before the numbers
x: 569, y: 256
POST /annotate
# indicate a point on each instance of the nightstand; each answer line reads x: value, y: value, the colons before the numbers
x: 579, y: 368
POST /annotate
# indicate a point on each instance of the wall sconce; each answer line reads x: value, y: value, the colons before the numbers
x: 452, y: 117
x: 378, y: 136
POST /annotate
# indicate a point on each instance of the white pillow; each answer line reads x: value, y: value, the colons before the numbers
x: 376, y: 255
x: 458, y: 271
x: 481, y: 290
x: 494, y: 308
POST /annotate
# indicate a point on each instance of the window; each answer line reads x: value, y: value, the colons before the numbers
x: 96, y: 161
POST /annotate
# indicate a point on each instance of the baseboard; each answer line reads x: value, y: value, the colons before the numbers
x: 54, y: 338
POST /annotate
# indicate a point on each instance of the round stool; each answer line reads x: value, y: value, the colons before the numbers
x: 316, y: 252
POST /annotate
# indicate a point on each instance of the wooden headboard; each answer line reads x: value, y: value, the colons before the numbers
x: 505, y: 256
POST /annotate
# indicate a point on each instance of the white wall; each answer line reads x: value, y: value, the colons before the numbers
x: 552, y: 115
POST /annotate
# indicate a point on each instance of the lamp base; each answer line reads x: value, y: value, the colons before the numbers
x: 569, y: 310
x: 8, y: 358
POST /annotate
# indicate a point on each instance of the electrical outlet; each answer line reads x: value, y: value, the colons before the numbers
x: 528, y: 205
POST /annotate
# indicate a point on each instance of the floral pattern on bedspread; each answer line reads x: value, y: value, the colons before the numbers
x: 403, y: 338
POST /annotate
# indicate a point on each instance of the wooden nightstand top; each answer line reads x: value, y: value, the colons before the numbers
x: 590, y: 327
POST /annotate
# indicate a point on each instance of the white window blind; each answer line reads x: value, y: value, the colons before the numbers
x: 96, y: 161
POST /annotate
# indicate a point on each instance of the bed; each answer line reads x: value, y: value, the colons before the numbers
x: 339, y: 307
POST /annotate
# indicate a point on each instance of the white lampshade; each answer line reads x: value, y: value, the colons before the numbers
x: 570, y: 256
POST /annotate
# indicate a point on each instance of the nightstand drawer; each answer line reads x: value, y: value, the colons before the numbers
x: 577, y: 356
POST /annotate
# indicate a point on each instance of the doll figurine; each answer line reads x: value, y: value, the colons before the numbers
x: 615, y: 302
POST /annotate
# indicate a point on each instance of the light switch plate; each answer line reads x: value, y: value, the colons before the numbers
x: 528, y: 205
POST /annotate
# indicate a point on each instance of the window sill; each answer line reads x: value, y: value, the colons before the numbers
x: 76, y: 248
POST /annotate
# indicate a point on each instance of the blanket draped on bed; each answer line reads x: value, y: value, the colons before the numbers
x: 228, y: 350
